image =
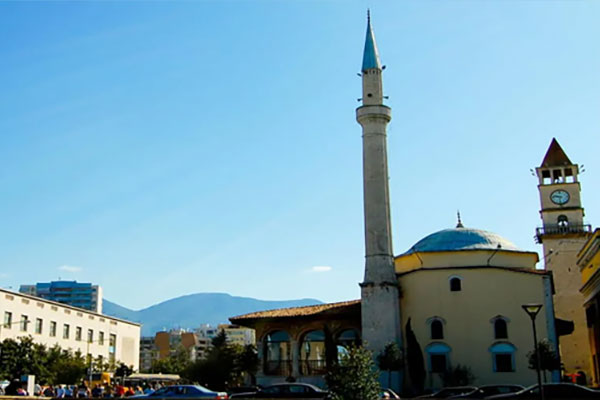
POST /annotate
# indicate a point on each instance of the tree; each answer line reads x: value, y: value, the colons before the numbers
x: 123, y: 371
x: 549, y: 360
x: 220, y: 370
x: 354, y: 377
x: 458, y: 376
x: 414, y: 358
x: 247, y: 362
x: 390, y: 359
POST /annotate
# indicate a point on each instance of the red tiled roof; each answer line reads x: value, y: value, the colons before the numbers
x: 295, y: 311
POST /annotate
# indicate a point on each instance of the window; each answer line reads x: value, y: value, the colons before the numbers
x: 38, y: 326
x: 24, y: 322
x: 100, y: 338
x: 500, y: 329
x: 562, y: 221
x: 438, y: 363
x: 503, y: 359
x: 278, y: 354
x: 455, y: 284
x: 66, y: 332
x: 78, y: 333
x: 437, y: 329
x: 52, y: 328
x: 312, y: 353
x: 7, y: 319
x: 90, y: 337
x: 503, y: 362
x: 437, y: 354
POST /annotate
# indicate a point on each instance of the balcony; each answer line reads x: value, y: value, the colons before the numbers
x: 561, y: 230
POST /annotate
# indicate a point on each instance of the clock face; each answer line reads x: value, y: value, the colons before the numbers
x: 560, y: 197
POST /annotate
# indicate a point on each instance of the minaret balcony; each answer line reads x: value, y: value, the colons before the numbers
x: 557, y: 230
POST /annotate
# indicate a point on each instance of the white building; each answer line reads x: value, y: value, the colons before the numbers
x: 51, y: 323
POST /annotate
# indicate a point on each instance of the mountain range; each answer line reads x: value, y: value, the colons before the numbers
x: 193, y: 310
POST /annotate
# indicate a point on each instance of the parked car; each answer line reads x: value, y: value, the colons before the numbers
x: 449, y: 392
x: 489, y: 390
x: 552, y: 391
x: 389, y: 394
x: 182, y: 391
x: 285, y: 390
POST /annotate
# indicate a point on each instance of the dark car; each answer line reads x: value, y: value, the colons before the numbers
x: 552, y: 391
x: 183, y: 391
x: 489, y: 390
x: 286, y: 391
x: 449, y: 392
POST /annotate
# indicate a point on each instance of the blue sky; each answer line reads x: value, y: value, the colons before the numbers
x: 165, y: 148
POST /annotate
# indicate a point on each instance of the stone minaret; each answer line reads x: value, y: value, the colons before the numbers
x: 379, y: 290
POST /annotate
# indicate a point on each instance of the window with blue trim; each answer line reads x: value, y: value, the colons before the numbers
x: 503, y: 357
x: 437, y: 357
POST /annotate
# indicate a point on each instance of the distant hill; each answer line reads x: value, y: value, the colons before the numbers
x: 195, y: 309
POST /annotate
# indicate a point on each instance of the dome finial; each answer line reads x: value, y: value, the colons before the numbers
x: 459, y: 224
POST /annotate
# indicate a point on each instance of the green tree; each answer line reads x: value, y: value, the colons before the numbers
x: 390, y: 359
x: 549, y: 360
x: 458, y: 376
x: 414, y: 360
x: 247, y: 362
x: 354, y: 377
x: 220, y: 369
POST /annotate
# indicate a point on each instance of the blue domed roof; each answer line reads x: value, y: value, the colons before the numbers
x: 458, y: 239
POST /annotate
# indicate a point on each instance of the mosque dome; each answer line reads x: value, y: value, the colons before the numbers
x: 460, y: 239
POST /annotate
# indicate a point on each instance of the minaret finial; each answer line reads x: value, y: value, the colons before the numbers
x: 459, y: 224
x: 370, y: 55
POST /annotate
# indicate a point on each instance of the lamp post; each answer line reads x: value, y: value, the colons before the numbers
x: 532, y: 310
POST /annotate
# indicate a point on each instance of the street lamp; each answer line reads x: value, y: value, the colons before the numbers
x: 532, y: 310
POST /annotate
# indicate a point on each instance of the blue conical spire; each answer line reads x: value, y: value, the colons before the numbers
x: 371, y: 55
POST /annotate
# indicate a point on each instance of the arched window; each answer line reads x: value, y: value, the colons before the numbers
x: 562, y: 221
x: 345, y: 339
x: 312, y: 353
x: 455, y: 284
x: 438, y: 357
x: 500, y: 329
x: 278, y: 354
x: 437, y: 329
x: 503, y: 357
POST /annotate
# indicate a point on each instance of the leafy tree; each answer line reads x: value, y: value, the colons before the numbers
x: 390, y: 359
x: 247, y: 362
x: 354, y: 377
x: 549, y: 360
x: 414, y: 358
x: 458, y: 376
x: 123, y: 371
x: 221, y: 369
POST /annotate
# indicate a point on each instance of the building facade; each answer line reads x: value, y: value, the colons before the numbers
x: 52, y: 323
x: 76, y: 294
x: 588, y: 261
x: 562, y: 235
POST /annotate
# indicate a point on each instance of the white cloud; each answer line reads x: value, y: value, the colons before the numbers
x: 70, y: 268
x: 321, y: 268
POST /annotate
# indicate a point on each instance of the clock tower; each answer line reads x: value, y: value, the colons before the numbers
x: 562, y: 235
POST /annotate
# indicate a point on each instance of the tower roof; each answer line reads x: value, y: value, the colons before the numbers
x: 370, y: 55
x: 555, y: 156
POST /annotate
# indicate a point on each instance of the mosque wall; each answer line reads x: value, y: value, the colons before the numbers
x: 468, y: 318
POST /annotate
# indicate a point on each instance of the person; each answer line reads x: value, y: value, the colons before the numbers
x: 11, y: 389
x: 83, y: 391
x: 97, y: 391
x: 48, y: 391
x: 60, y: 391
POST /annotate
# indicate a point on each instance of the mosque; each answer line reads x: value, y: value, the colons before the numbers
x: 452, y: 299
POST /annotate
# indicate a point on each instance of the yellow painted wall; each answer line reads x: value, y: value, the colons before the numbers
x: 468, y: 330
